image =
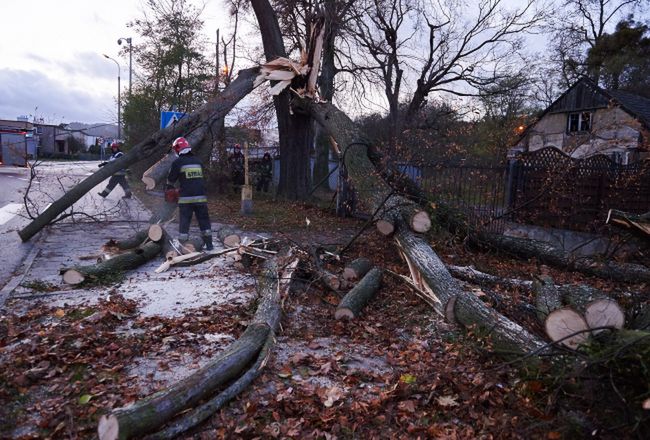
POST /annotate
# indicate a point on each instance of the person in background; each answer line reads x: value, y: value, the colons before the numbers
x: 265, y: 173
x: 237, y: 167
x: 118, y: 177
x: 192, y: 199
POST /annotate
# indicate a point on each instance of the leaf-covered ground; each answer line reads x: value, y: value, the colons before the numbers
x: 397, y: 372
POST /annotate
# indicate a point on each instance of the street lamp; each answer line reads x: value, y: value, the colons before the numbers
x: 128, y: 40
x: 119, y: 98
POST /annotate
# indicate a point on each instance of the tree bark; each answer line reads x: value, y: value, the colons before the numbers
x: 154, y: 146
x: 356, y: 269
x: 228, y: 237
x: 377, y: 194
x: 549, y: 254
x: 547, y: 297
x: 119, y: 263
x: 471, y: 275
x: 450, y: 301
x: 356, y: 299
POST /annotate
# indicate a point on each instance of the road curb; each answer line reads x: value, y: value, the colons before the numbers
x: 24, y: 268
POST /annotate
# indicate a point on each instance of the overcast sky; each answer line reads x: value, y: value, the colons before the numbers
x: 52, y: 64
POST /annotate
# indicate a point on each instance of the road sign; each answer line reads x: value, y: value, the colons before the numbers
x: 170, y: 118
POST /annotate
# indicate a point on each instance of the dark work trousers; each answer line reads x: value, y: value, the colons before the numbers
x: 112, y: 183
x: 185, y: 211
x: 263, y: 184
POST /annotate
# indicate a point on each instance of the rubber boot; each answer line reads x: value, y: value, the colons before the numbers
x: 207, y: 239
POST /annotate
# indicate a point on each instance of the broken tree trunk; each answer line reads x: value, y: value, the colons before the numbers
x: 155, y: 145
x: 356, y: 299
x: 639, y: 224
x: 148, y: 414
x: 549, y: 254
x: 356, y: 269
x: 132, y: 242
x: 450, y: 301
x: 378, y: 195
x: 119, y: 263
x: 428, y: 272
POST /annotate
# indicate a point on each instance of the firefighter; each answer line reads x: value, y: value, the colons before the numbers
x: 119, y: 176
x: 265, y: 173
x: 191, y: 197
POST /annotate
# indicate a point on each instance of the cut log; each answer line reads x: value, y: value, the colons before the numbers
x: 356, y: 269
x: 229, y: 237
x: 150, y: 413
x: 547, y: 296
x: 567, y: 326
x: 153, y: 146
x: 604, y: 313
x: 385, y: 227
x: 356, y: 299
x: 417, y: 219
x: 158, y: 171
x: 194, y: 244
x: 120, y: 263
x: 155, y: 232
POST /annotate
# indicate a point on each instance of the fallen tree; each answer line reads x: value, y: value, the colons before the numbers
x: 108, y: 268
x: 149, y: 414
x: 154, y: 146
x: 428, y: 272
x: 548, y: 254
x: 356, y: 299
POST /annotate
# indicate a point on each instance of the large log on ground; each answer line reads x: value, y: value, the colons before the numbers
x: 547, y: 296
x: 380, y: 197
x: 356, y: 299
x: 356, y: 269
x: 155, y: 145
x: 120, y: 263
x: 150, y: 413
x: 549, y: 254
x: 132, y: 242
x: 566, y: 326
x: 472, y: 275
x: 228, y: 237
x: 450, y: 301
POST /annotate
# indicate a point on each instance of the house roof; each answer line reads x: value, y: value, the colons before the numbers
x: 635, y: 104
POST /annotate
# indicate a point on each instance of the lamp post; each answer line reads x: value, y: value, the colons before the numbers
x: 128, y: 40
x: 119, y: 98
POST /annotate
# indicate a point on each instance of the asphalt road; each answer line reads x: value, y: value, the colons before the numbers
x: 13, y: 182
x: 51, y: 181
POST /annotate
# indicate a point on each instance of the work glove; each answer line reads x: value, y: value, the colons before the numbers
x: 171, y: 195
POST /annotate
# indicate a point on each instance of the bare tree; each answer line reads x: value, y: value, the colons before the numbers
x: 439, y: 46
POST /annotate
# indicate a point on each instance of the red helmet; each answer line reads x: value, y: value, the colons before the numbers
x: 115, y: 145
x: 181, y: 144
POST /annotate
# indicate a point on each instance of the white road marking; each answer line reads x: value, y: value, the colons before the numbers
x: 9, y: 211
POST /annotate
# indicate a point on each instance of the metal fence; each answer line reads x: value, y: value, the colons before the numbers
x: 545, y: 188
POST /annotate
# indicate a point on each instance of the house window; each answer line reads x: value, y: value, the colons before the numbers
x: 579, y: 122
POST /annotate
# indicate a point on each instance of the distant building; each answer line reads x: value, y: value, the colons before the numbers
x: 18, y: 142
x: 588, y: 120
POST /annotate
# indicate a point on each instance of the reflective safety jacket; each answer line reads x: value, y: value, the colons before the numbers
x: 188, y: 170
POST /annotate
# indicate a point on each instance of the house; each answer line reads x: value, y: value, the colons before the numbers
x: 588, y: 120
x: 17, y: 142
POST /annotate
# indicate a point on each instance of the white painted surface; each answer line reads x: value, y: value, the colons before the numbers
x: 9, y: 211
